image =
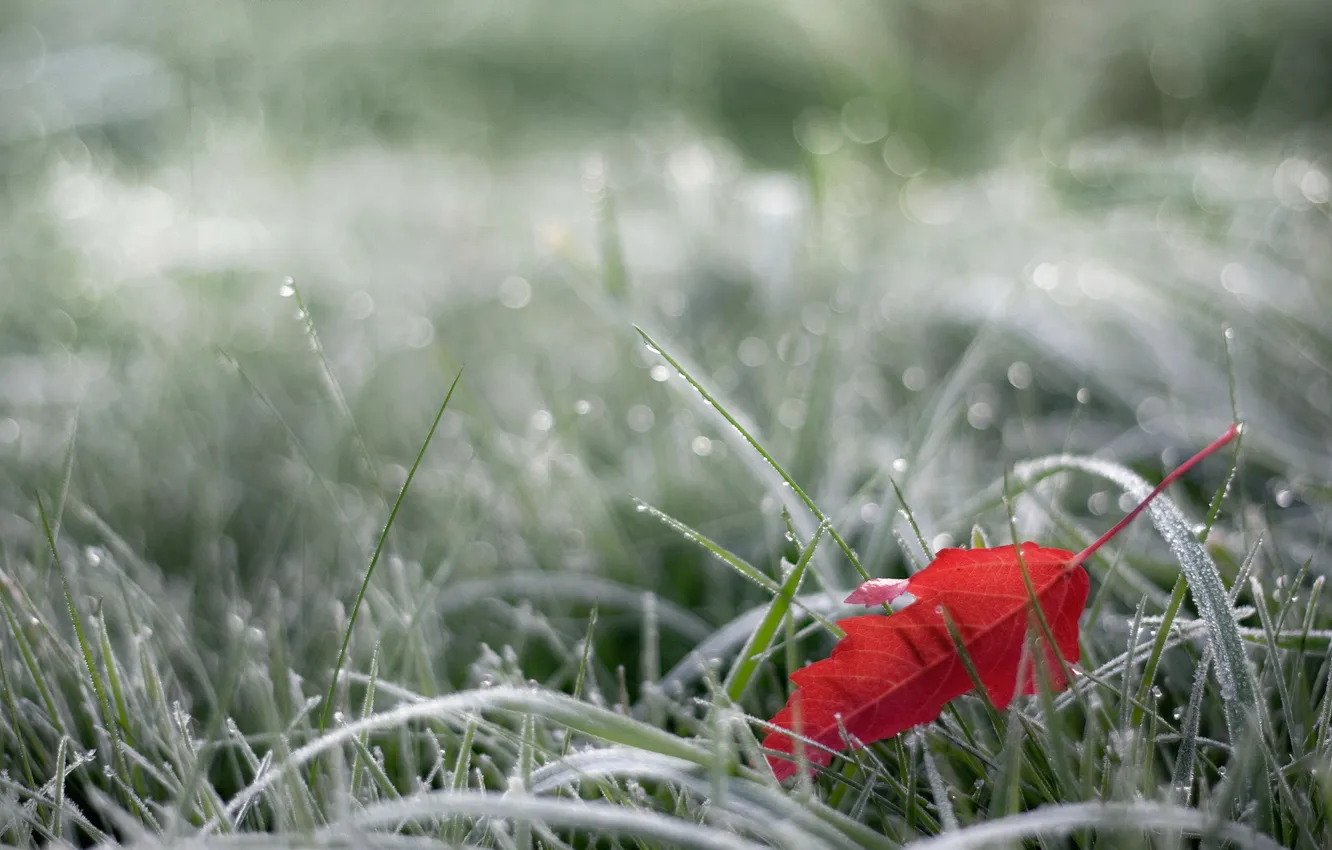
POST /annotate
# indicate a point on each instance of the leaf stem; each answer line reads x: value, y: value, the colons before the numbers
x: 1231, y: 433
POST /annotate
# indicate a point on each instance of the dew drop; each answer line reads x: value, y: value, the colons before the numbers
x: 515, y: 292
x: 1098, y: 503
x: 980, y: 415
x: 753, y: 352
x: 1084, y: 395
x: 914, y: 378
x: 1019, y: 375
x: 640, y: 418
x: 288, y: 287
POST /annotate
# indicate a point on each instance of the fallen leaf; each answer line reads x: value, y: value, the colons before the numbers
x: 890, y: 673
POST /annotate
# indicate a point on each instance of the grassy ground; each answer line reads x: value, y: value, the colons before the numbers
x: 248, y: 249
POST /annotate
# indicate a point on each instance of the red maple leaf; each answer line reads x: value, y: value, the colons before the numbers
x: 891, y: 673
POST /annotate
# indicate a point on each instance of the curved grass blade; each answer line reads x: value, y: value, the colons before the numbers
x: 1128, y: 818
x: 1238, y: 690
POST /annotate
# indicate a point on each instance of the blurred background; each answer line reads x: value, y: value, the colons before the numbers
x: 245, y: 248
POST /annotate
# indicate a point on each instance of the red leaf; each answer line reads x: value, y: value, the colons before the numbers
x: 891, y: 673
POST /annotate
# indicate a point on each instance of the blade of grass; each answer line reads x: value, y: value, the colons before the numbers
x: 90, y: 665
x: 35, y: 671
x: 367, y: 708
x: 762, y: 452
x: 298, y: 445
x: 1181, y: 782
x: 761, y: 640
x: 1274, y: 663
x: 16, y: 725
x: 374, y: 561
x: 458, y: 780
x: 290, y: 289
x: 942, y: 801
x: 1177, y: 593
x: 1238, y: 690
x: 113, y: 678
x: 964, y: 654
x: 66, y: 476
x: 911, y: 520
x: 735, y: 562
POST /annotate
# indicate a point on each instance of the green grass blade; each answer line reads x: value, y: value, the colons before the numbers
x: 58, y: 798
x: 742, y: 672
x: 735, y: 562
x: 911, y: 520
x: 90, y: 665
x: 35, y: 671
x: 290, y: 289
x: 758, y: 447
x: 66, y: 477
x: 16, y: 724
x: 1274, y: 665
x: 367, y: 708
x: 113, y: 679
x: 374, y: 561
x: 1181, y: 782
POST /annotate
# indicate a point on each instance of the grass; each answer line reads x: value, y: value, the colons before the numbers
x: 244, y: 601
